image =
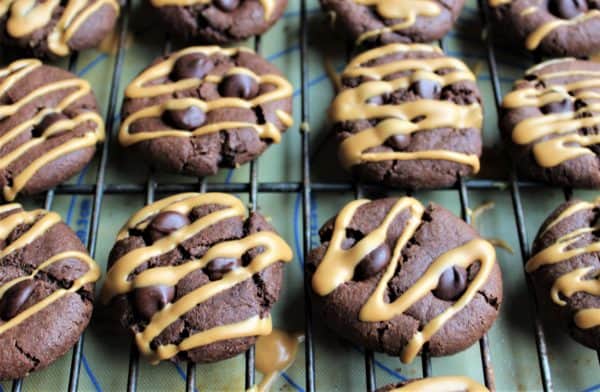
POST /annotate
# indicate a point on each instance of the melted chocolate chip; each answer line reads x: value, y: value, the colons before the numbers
x: 188, y: 119
x: 151, y: 299
x: 452, y: 284
x: 427, y: 89
x: 226, y: 5
x: 218, y: 267
x: 373, y: 263
x: 566, y: 105
x: 240, y: 86
x: 567, y: 9
x: 193, y: 65
x: 165, y: 223
x: 47, y: 122
x: 398, y: 142
x: 14, y: 298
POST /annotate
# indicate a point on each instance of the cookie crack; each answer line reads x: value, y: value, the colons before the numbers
x: 32, y: 358
x: 491, y: 301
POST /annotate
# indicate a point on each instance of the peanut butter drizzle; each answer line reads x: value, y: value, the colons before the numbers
x: 408, y: 10
x: 337, y: 268
x: 563, y: 146
x: 27, y: 16
x: 573, y: 281
x: 139, y: 89
x: 443, y: 384
x: 268, y: 5
x: 44, y: 220
x: 118, y: 281
x: 12, y: 74
x: 534, y: 39
x: 351, y: 105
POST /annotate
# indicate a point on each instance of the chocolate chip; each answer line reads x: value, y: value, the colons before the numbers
x: 373, y: 263
x: 567, y: 9
x: 193, y: 65
x: 239, y: 85
x: 452, y: 284
x: 398, y: 142
x: 218, y: 267
x: 14, y: 298
x: 566, y: 105
x: 188, y: 119
x: 427, y: 89
x: 47, y: 122
x: 151, y: 299
x: 165, y: 223
x: 226, y: 5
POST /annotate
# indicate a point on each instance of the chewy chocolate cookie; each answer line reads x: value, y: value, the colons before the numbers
x: 56, y: 28
x: 49, y: 124
x: 395, y: 276
x: 408, y: 116
x: 193, y: 277
x: 565, y: 268
x: 550, y: 122
x: 436, y: 384
x: 205, y: 107
x: 218, y: 21
x: 46, y: 289
x: 379, y: 22
x: 553, y: 27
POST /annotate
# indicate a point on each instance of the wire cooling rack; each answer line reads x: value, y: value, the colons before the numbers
x: 253, y: 187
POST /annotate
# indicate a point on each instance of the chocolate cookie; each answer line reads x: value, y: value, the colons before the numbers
x: 379, y: 22
x: 55, y: 28
x: 553, y: 27
x: 550, y: 122
x: 205, y: 107
x: 565, y: 268
x: 46, y: 289
x: 193, y: 277
x: 408, y: 116
x: 218, y: 21
x: 436, y: 384
x: 49, y: 124
x: 395, y: 276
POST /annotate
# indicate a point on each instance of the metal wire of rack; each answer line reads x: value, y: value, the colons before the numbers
x: 306, y: 188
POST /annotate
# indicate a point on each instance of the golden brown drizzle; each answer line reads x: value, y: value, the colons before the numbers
x: 442, y: 384
x: 27, y: 16
x: 139, y: 88
x: 550, y: 152
x: 351, y: 105
x: 117, y: 279
x: 476, y: 214
x: 41, y: 222
x: 577, y: 280
x: 268, y: 5
x: 12, y: 74
x: 338, y: 264
x: 537, y: 36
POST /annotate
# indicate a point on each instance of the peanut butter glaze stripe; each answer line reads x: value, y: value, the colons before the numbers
x: 338, y: 264
x: 118, y: 277
x: 442, y: 384
x: 268, y: 5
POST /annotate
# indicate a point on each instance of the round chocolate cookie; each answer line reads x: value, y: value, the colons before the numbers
x: 46, y: 289
x: 205, y: 107
x: 55, y: 28
x: 395, y: 276
x: 193, y: 277
x: 49, y: 124
x: 565, y: 268
x: 379, y: 22
x: 436, y: 384
x: 553, y: 27
x: 408, y: 116
x: 550, y: 122
x: 218, y: 21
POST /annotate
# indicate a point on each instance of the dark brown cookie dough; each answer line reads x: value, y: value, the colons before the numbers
x: 218, y: 21
x: 46, y: 289
x: 550, y: 122
x: 205, y: 254
x: 433, y: 237
x: 553, y: 27
x: 50, y: 126
x: 59, y: 29
x: 379, y: 22
x: 205, y: 107
x: 408, y: 116
x: 566, y: 274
